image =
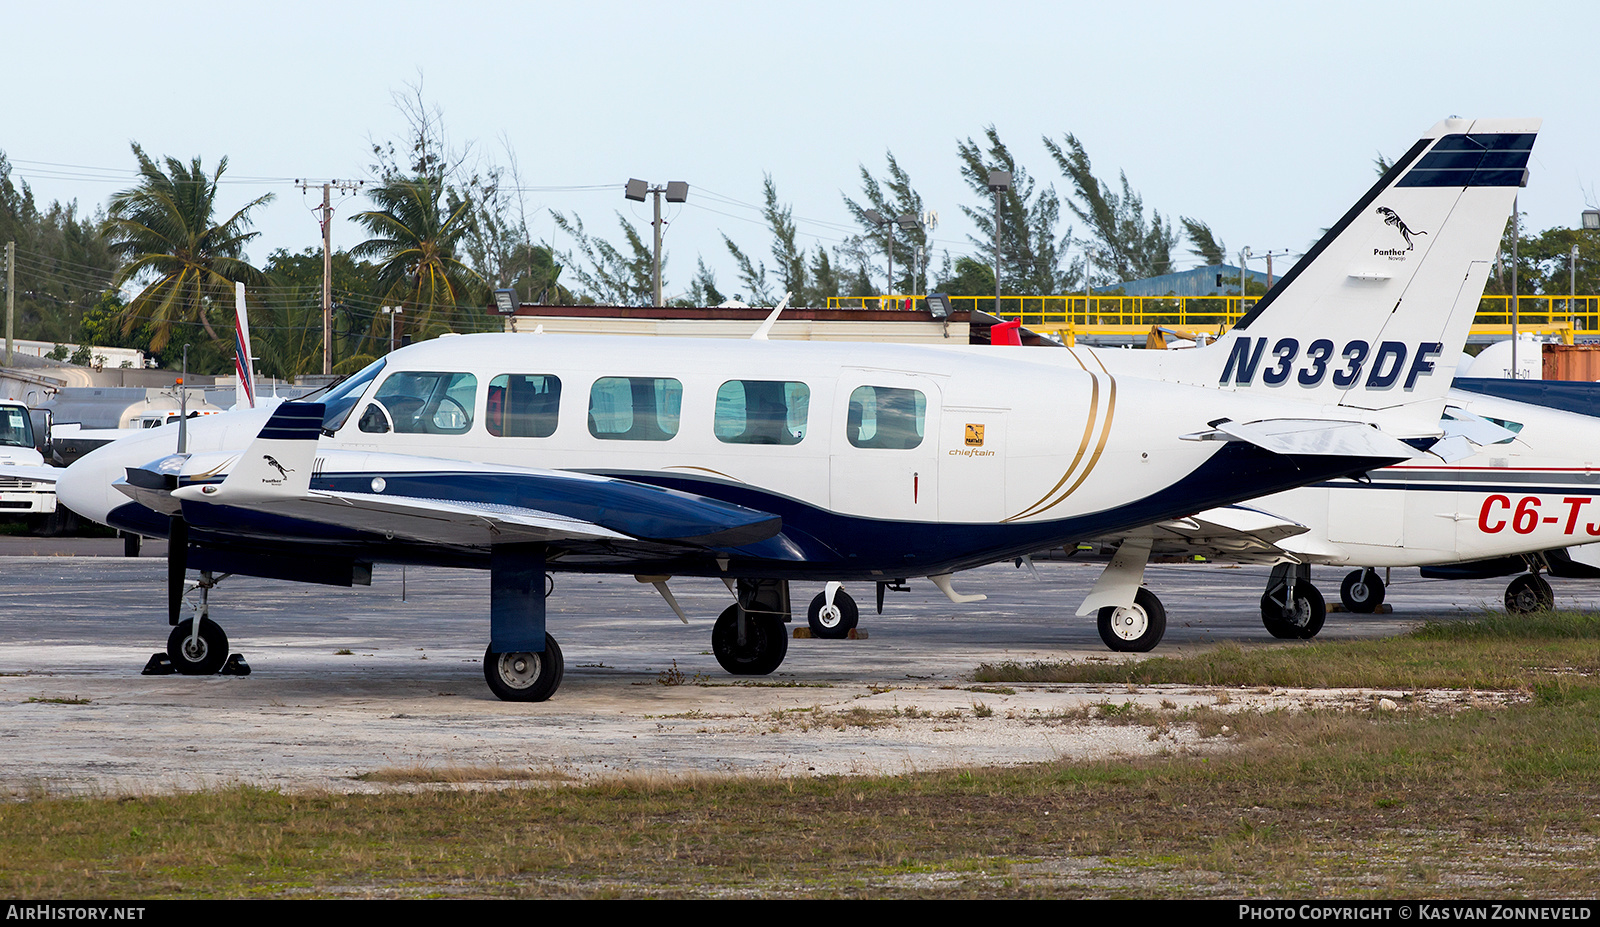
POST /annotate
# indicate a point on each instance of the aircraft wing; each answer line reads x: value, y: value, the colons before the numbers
x: 1234, y: 533
x: 437, y: 521
x: 267, y: 494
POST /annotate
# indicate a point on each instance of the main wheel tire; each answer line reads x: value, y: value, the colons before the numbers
x: 203, y: 657
x: 764, y: 648
x: 1303, y: 623
x: 524, y: 676
x: 1135, y: 628
x: 1361, y: 592
x: 832, y: 623
x: 1529, y: 593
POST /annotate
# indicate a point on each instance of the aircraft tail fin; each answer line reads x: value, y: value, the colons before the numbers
x: 1376, y: 313
x: 277, y: 464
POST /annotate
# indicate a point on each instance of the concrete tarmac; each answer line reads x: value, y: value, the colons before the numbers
x: 642, y: 693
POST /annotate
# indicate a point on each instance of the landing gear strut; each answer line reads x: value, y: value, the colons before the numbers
x: 1292, y: 608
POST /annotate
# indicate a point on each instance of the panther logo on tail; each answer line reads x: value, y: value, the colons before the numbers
x: 1390, y: 217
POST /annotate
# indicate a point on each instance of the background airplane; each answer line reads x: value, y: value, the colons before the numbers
x: 761, y: 462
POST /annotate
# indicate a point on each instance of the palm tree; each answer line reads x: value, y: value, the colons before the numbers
x: 164, y: 228
x: 414, y: 242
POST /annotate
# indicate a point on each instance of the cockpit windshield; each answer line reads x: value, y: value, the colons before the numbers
x: 343, y: 396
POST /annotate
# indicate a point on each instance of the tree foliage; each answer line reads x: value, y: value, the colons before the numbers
x: 892, y: 197
x: 1031, y: 253
x: 1124, y: 245
x: 165, y: 231
x: 616, y: 278
x: 415, y: 237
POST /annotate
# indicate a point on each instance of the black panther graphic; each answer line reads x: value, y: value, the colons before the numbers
x: 273, y: 461
x: 1390, y: 217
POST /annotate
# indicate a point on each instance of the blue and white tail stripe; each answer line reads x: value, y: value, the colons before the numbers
x: 294, y: 421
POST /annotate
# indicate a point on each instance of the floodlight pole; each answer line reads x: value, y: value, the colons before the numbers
x: 677, y: 192
x: 999, y: 182
x: 1516, y: 233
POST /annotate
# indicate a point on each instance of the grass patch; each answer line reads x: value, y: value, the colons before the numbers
x: 1484, y: 802
x: 461, y: 774
x: 1491, y: 652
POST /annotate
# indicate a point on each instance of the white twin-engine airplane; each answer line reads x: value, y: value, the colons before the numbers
x: 763, y: 462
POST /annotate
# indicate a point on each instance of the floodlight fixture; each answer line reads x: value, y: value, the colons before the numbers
x: 939, y: 305
x: 506, y: 301
x: 999, y: 181
x: 876, y: 218
x: 1591, y: 218
x: 910, y: 222
x: 677, y: 191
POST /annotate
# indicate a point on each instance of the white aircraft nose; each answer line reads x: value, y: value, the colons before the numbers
x: 85, y: 487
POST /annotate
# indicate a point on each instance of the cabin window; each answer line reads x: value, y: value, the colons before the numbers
x: 522, y: 405
x: 422, y: 403
x: 635, y: 408
x: 886, y: 416
x: 762, y: 412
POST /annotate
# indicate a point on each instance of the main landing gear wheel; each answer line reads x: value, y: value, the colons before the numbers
x: 832, y: 621
x: 1135, y: 628
x: 523, y: 676
x: 1529, y: 593
x: 197, y: 657
x: 1361, y: 592
x: 1304, y: 619
x: 764, y: 647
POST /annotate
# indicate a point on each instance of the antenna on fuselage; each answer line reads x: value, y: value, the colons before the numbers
x: 761, y: 333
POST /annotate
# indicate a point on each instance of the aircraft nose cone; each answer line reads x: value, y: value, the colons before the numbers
x: 85, y: 487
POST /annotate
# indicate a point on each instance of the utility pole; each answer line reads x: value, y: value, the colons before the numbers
x: 11, y: 291
x: 326, y: 218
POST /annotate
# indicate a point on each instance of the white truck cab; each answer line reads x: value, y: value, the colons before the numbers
x: 23, y: 488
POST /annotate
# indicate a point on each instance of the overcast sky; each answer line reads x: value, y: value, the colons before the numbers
x: 1262, y: 119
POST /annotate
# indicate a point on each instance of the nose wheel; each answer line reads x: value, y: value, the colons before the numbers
x: 199, y: 654
x: 832, y: 620
x: 1135, y: 628
x: 1361, y: 592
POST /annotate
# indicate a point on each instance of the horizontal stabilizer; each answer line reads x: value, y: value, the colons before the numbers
x: 1318, y: 438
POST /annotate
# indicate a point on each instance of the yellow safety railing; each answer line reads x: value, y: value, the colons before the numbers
x: 1080, y: 315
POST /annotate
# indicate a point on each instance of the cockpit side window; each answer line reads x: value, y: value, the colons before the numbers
x: 424, y: 403
x: 762, y: 412
x: 886, y: 416
x: 635, y: 408
x: 523, y: 405
x: 344, y: 396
